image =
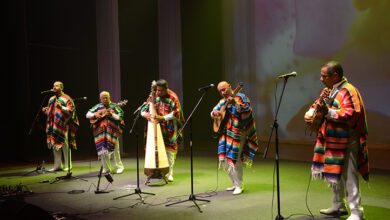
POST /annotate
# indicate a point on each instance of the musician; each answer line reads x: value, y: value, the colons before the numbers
x: 61, y: 123
x: 171, y: 119
x: 238, y: 143
x: 107, y: 130
x: 340, y: 151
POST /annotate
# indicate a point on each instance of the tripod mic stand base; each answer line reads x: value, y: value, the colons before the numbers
x: 191, y: 198
x: 136, y: 191
x: 67, y: 177
x: 279, y: 217
x: 100, y: 191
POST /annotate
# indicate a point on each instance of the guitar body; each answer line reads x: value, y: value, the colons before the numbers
x: 103, y: 112
x: 156, y: 159
x: 318, y: 119
x: 220, y: 121
x: 319, y: 112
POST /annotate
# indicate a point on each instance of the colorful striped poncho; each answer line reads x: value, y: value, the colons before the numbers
x: 107, y: 131
x: 333, y: 136
x: 241, y: 120
x: 170, y: 104
x: 60, y: 123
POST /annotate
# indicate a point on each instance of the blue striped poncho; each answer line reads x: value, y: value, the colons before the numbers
x: 241, y: 120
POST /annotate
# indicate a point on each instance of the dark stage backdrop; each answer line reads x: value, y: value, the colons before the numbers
x: 49, y: 41
x: 57, y: 40
x: 251, y: 41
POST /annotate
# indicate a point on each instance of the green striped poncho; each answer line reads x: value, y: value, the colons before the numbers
x: 107, y: 131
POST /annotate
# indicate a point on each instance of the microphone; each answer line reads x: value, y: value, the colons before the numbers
x: 80, y: 99
x: 206, y: 87
x: 139, y: 108
x: 47, y: 91
x: 294, y: 74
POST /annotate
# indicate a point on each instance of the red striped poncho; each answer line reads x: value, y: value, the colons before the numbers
x: 107, y: 131
x: 332, y: 138
x: 241, y: 120
x: 59, y: 122
x: 170, y: 129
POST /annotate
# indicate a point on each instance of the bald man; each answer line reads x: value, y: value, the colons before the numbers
x: 238, y: 142
x: 107, y: 131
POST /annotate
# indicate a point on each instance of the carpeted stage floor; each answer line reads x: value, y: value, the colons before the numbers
x: 75, y: 198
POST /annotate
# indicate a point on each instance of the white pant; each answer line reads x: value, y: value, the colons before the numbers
x: 349, y: 183
x: 64, y: 150
x: 235, y: 171
x: 171, y: 160
x: 115, y: 156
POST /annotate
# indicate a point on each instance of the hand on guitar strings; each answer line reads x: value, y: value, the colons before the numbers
x: 231, y: 100
x: 99, y: 115
x: 217, y: 113
x: 323, y: 108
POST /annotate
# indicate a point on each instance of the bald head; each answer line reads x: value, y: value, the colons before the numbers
x: 225, y: 89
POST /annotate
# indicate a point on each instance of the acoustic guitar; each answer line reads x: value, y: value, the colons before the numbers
x: 103, y: 112
x: 156, y: 160
x: 221, y: 121
x: 319, y: 111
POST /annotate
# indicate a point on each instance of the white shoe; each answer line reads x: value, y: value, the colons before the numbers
x: 355, y: 217
x: 170, y: 178
x: 238, y: 190
x: 105, y: 171
x: 119, y: 170
x: 66, y: 169
x: 230, y: 188
x: 54, y: 169
x: 335, y: 210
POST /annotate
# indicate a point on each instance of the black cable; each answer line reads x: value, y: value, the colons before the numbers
x: 212, y: 192
x: 307, y: 193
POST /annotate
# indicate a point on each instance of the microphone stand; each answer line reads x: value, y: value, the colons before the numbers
x: 39, y: 167
x: 137, y: 190
x: 275, y: 127
x: 192, y: 196
x: 97, y: 191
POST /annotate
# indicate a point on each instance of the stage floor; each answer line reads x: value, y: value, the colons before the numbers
x: 75, y: 198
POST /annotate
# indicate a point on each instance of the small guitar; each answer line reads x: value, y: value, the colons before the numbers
x: 220, y: 121
x: 319, y: 111
x: 103, y: 112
